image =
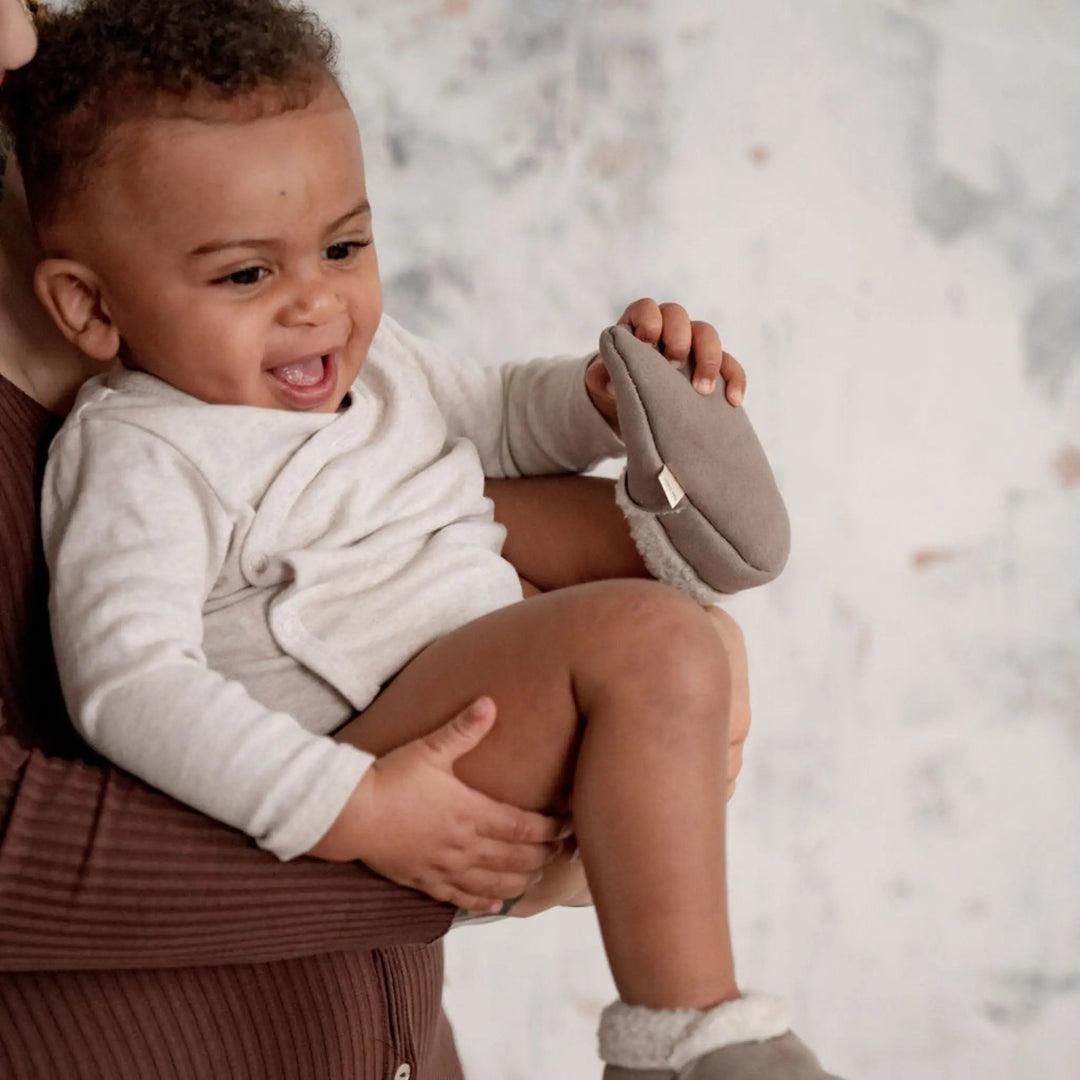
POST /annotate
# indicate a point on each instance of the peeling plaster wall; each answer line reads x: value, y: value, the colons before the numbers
x: 878, y: 203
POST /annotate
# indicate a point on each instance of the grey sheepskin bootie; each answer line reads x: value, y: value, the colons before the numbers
x: 745, y: 1039
x: 697, y: 491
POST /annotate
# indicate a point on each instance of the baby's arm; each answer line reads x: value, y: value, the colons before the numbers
x: 135, y: 538
x: 532, y: 418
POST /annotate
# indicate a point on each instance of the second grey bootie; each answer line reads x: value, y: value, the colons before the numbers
x: 784, y: 1057
x: 744, y: 1039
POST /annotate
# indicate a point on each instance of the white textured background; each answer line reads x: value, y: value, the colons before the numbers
x: 878, y: 203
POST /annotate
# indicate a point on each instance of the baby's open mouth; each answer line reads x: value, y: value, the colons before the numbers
x: 307, y: 382
x: 307, y: 372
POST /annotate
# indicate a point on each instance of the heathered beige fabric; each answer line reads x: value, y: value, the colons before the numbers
x: 230, y: 584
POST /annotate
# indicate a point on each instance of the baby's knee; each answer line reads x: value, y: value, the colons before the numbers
x: 667, y: 641
x: 640, y: 606
x: 734, y: 645
x: 731, y: 638
x: 729, y: 630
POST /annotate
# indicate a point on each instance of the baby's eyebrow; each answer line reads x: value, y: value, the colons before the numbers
x: 221, y: 245
x: 212, y: 246
x: 360, y: 208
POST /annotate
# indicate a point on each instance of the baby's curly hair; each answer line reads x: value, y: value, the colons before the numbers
x: 100, y: 62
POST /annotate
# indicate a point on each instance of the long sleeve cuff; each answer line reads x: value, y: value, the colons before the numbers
x: 318, y: 808
x: 551, y: 424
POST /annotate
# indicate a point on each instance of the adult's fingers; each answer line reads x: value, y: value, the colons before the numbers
x: 739, y: 721
x: 735, y: 759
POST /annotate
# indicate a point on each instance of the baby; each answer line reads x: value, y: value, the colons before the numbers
x: 271, y: 517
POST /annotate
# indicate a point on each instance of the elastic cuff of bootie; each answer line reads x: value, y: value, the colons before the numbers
x: 636, y: 1037
x: 659, y: 554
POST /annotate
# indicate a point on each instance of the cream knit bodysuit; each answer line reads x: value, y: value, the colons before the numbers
x: 230, y: 584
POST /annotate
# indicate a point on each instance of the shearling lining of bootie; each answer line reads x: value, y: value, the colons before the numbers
x: 661, y: 558
x: 635, y: 1037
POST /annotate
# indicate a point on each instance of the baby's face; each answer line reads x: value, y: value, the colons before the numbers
x: 235, y: 256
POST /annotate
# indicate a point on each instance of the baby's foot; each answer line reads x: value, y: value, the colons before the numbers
x: 744, y: 1039
x: 784, y: 1058
x: 697, y: 491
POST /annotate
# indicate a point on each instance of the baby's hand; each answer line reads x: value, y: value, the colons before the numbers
x: 411, y: 820
x: 669, y: 329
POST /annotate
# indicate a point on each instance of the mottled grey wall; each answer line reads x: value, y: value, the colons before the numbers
x: 878, y: 203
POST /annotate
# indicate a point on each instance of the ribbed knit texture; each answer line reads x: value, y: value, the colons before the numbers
x: 141, y: 940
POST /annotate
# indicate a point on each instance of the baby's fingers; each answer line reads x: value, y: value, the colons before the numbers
x: 479, y: 891
x: 731, y: 371
x: 708, y: 356
x: 479, y: 905
x: 501, y: 821
x: 494, y: 888
x: 646, y: 320
x: 677, y: 338
x: 712, y: 363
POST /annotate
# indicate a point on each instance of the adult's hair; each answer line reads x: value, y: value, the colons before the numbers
x: 101, y: 62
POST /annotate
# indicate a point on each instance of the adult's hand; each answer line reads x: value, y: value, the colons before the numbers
x: 562, y: 883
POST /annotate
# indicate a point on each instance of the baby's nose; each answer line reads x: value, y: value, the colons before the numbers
x: 311, y: 302
x: 306, y: 336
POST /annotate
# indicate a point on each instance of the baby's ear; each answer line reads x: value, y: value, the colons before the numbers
x: 71, y: 293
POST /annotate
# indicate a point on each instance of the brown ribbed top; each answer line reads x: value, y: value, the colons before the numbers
x: 140, y: 939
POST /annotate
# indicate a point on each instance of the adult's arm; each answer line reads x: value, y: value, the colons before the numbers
x: 97, y: 870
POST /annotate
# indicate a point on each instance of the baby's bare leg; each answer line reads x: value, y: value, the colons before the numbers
x: 607, y: 693
x: 564, y: 530
x: 567, y: 530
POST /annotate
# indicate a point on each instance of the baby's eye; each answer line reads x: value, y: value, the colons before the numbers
x: 343, y: 249
x: 249, y: 275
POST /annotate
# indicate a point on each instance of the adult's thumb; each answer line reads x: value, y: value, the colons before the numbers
x: 461, y: 733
